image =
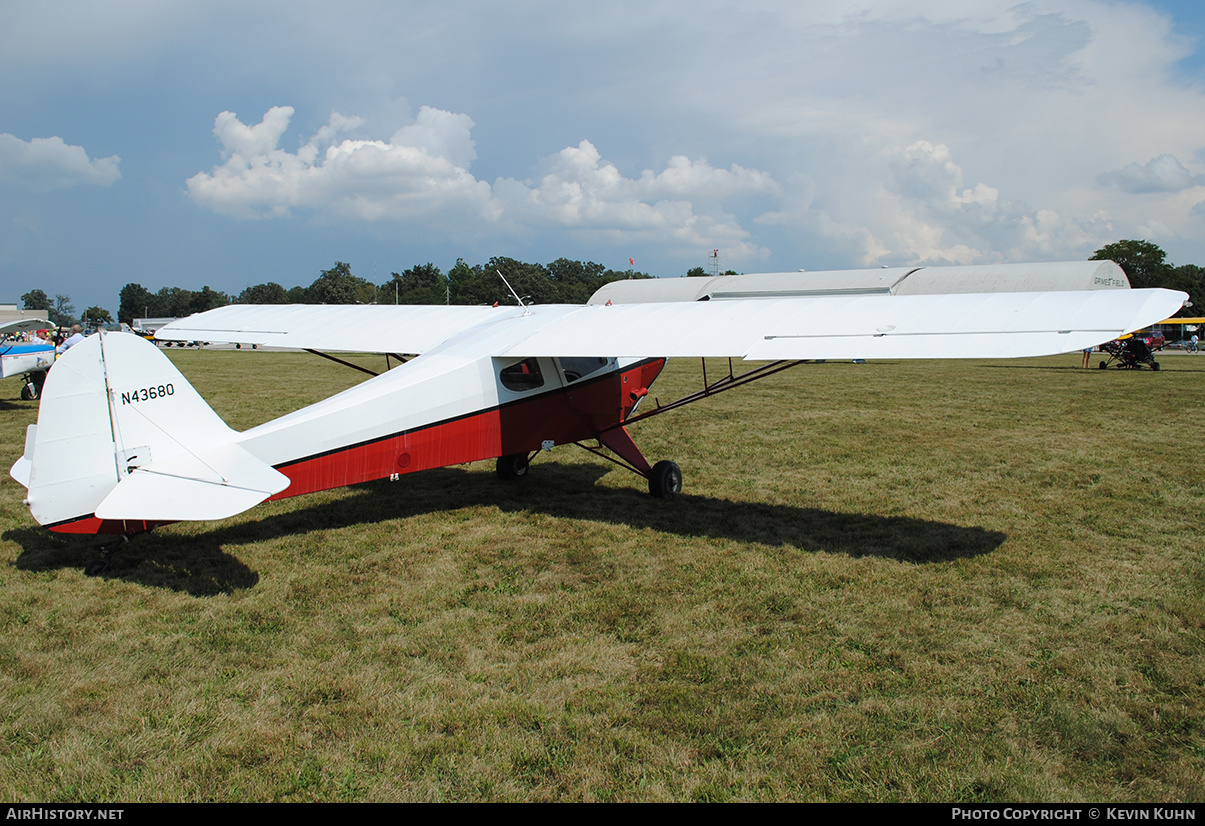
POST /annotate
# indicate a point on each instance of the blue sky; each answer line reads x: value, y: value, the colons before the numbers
x: 228, y: 144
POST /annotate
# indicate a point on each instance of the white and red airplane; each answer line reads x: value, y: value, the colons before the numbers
x: 124, y: 443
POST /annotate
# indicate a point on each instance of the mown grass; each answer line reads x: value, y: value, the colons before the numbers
x: 891, y: 581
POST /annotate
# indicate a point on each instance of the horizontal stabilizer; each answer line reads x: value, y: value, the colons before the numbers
x: 213, y: 485
x: 21, y: 468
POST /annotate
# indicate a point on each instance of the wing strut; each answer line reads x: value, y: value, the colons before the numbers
x: 627, y: 455
x: 728, y: 382
x: 346, y: 363
x: 388, y: 365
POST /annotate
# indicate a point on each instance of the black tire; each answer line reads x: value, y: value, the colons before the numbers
x: 96, y: 567
x: 1154, y: 365
x: 514, y: 466
x: 29, y: 392
x: 665, y: 480
x: 1103, y: 365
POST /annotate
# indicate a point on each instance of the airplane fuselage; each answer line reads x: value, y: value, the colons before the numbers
x: 445, y: 407
x: 433, y: 412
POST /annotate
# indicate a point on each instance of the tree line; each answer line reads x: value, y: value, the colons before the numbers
x: 561, y: 282
x: 1146, y: 265
x: 61, y: 312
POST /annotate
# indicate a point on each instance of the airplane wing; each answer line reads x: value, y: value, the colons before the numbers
x: 966, y: 325
x: 969, y: 325
x: 372, y: 328
x: 23, y: 325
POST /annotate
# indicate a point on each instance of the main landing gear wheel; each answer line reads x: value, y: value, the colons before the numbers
x: 512, y: 467
x: 665, y: 480
x: 1155, y: 365
x: 29, y: 392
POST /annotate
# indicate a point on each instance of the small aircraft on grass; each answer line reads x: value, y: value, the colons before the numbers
x: 123, y: 443
x: 1132, y: 351
x: 30, y: 360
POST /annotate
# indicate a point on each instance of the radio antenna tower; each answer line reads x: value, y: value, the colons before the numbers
x: 715, y: 262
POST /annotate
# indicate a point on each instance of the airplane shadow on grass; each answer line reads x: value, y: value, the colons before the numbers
x: 197, y: 563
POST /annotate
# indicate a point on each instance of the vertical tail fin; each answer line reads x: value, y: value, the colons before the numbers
x: 122, y: 437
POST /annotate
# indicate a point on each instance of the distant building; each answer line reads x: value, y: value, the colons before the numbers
x: 9, y: 312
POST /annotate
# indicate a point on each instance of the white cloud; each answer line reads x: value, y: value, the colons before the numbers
x: 414, y: 174
x: 684, y: 178
x: 441, y: 134
x: 921, y: 210
x: 421, y: 174
x: 1162, y: 174
x: 241, y: 141
x: 46, y: 164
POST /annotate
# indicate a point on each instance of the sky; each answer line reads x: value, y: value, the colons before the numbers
x: 226, y: 144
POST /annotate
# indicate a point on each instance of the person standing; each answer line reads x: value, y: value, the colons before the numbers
x: 75, y: 338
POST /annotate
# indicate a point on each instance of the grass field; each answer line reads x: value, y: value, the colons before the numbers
x: 955, y: 581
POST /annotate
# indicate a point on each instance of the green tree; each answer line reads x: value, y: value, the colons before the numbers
x: 206, y: 299
x: 136, y: 301
x: 338, y: 286
x: 468, y: 285
x: 1191, y: 279
x: 1144, y: 263
x: 173, y: 302
x: 97, y: 315
x: 63, y: 311
x: 421, y: 284
x: 270, y: 293
x: 36, y: 300
x: 696, y: 272
x: 579, y: 281
x: 530, y: 281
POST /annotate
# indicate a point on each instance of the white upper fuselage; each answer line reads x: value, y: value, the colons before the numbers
x: 452, y: 380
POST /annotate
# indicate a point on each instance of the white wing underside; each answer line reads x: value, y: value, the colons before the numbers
x: 974, y: 325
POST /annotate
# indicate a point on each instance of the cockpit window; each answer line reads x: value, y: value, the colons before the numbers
x: 522, y: 375
x: 578, y: 368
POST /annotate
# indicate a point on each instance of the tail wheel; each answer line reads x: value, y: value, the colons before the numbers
x: 514, y: 466
x: 665, y: 480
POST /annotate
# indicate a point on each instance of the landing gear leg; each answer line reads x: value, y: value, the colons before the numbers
x: 97, y: 567
x: 665, y: 477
